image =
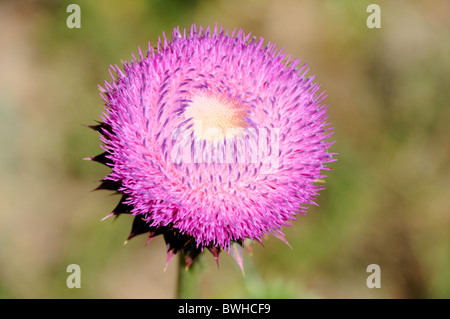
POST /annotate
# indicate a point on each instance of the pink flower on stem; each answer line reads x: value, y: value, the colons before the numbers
x: 214, y: 139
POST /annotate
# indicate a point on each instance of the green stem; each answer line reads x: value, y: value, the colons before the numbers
x: 188, y: 279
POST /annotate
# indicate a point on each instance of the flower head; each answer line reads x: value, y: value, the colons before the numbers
x: 213, y: 138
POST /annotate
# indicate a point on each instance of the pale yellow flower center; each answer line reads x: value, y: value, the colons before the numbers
x: 216, y: 117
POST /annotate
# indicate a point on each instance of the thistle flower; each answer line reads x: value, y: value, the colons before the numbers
x: 214, y: 139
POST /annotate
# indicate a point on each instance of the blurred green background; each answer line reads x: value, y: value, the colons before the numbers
x: 387, y: 200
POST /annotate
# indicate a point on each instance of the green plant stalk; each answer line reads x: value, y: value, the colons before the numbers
x: 188, y: 279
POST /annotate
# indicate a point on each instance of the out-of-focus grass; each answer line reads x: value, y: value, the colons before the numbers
x: 386, y: 201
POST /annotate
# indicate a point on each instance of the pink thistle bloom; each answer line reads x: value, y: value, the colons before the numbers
x: 213, y: 138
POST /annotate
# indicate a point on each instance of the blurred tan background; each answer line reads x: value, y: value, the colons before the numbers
x: 387, y: 201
